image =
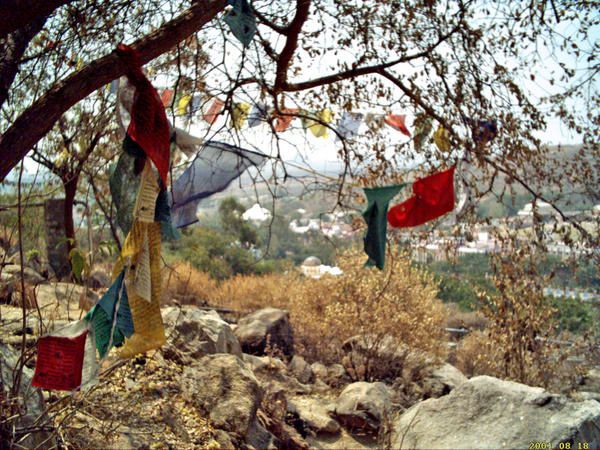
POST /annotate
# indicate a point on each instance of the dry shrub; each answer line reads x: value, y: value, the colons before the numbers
x: 187, y: 285
x: 245, y: 293
x: 11, y: 294
x: 475, y: 355
x: 471, y: 320
x: 520, y: 342
x: 242, y: 293
x: 398, y: 303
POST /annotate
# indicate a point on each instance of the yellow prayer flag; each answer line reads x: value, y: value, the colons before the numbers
x: 182, y: 105
x: 147, y: 321
x: 441, y: 137
x: 145, y: 202
x: 239, y: 114
x: 318, y: 129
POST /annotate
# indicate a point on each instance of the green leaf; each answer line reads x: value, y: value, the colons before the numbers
x: 77, y: 263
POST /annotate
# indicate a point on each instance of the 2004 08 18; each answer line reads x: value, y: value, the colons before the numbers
x: 561, y: 446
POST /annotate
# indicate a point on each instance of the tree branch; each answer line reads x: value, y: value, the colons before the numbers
x: 358, y: 71
x: 105, y: 210
x: 273, y: 26
x: 291, y: 43
x: 33, y: 124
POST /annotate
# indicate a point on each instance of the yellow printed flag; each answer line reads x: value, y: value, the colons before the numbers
x: 239, y: 114
x: 182, y: 105
x: 317, y: 128
x: 441, y: 137
x: 145, y: 203
x: 149, y: 329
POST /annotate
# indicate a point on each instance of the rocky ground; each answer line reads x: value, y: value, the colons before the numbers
x: 218, y: 384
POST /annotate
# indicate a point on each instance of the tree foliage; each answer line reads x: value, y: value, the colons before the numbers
x: 445, y: 60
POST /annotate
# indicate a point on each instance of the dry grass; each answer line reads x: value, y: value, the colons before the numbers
x: 247, y: 293
x: 471, y: 320
x: 183, y: 283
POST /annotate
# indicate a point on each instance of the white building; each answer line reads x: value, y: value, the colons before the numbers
x: 541, y: 208
x: 257, y: 214
x: 312, y: 267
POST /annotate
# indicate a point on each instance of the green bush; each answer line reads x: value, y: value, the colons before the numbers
x: 574, y: 315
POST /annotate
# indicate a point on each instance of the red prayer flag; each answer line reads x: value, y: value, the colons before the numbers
x: 213, y: 112
x: 396, y: 121
x: 433, y: 197
x: 59, y: 362
x: 282, y: 122
x: 166, y: 97
x: 149, y: 127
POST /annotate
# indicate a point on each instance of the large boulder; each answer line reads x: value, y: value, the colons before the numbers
x: 486, y: 412
x: 222, y: 388
x: 264, y: 331
x: 194, y: 333
x: 31, y: 403
x: 363, y: 406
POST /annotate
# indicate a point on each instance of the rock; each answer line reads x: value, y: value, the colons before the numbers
x: 301, y: 369
x: 319, y: 370
x: 486, y: 412
x: 363, y: 405
x: 582, y: 396
x: 225, y: 390
x: 258, y: 437
x: 61, y: 295
x: 264, y: 363
x: 337, y: 375
x: 194, y: 333
x: 442, y: 380
x: 591, y: 381
x: 223, y: 440
x: 30, y: 401
x: 266, y: 330
x: 12, y: 273
x: 99, y: 279
x: 313, y: 414
x: 272, y: 373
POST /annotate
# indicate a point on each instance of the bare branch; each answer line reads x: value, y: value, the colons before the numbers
x: 291, y: 43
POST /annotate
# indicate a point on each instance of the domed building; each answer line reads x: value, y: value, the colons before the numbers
x: 311, y: 267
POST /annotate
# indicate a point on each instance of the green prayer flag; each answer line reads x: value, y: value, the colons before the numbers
x: 378, y: 200
x: 102, y: 329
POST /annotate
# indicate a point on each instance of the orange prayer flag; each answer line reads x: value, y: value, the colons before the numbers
x: 215, y: 109
x: 396, y: 121
x: 283, y: 120
x: 166, y: 97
